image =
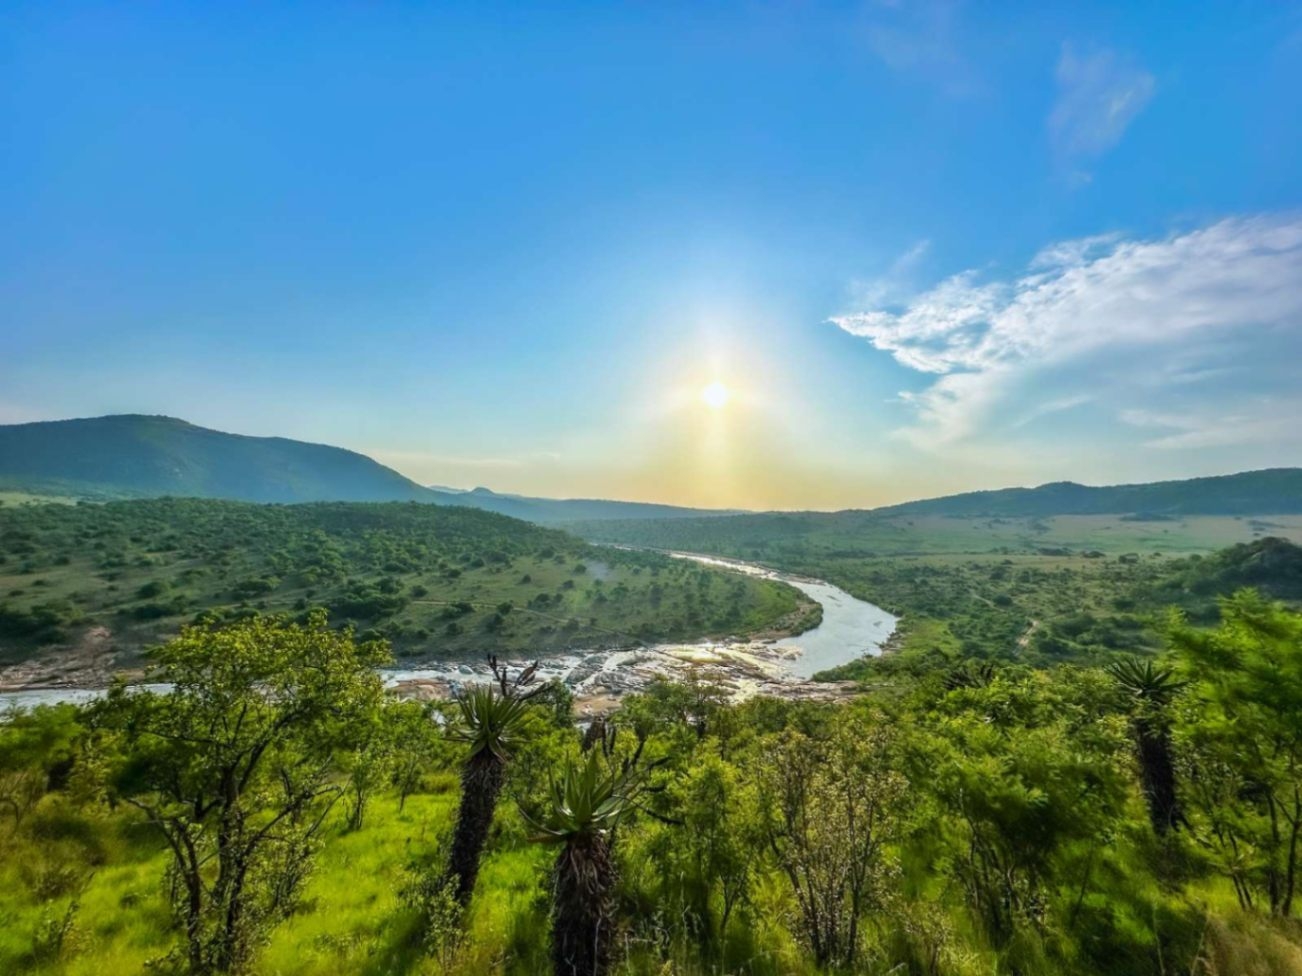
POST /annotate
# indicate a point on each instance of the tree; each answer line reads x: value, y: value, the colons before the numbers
x: 416, y: 738
x: 1244, y: 740
x: 371, y: 761
x: 835, y: 804
x: 587, y: 803
x: 491, y: 719
x: 1151, y: 690
x: 708, y: 866
x: 1028, y: 790
x: 37, y: 751
x: 235, y: 766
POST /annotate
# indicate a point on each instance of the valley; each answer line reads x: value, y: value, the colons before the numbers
x: 934, y: 682
x: 1082, y: 589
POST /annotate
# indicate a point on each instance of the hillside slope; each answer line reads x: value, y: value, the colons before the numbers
x: 137, y: 456
x: 1275, y: 491
x: 140, y: 456
x: 93, y: 584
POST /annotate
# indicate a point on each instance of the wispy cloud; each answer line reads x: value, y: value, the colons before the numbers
x: 1102, y: 312
x: 1099, y: 94
x: 896, y: 282
x: 1257, y: 420
x: 921, y: 38
x: 1050, y: 407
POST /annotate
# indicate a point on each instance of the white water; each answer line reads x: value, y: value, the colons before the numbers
x: 850, y: 628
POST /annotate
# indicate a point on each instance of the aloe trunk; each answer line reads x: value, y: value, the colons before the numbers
x: 1157, y: 772
x: 481, y: 785
x: 1151, y: 690
x: 583, y: 907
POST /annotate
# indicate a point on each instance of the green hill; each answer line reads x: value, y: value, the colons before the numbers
x: 1271, y: 565
x: 139, y: 456
x: 135, y: 456
x: 1275, y: 491
x: 437, y: 581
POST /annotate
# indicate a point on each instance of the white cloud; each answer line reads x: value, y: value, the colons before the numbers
x: 1128, y: 311
x: 1258, y: 420
x: 898, y: 280
x: 1048, y: 407
x: 1099, y: 95
x: 921, y: 39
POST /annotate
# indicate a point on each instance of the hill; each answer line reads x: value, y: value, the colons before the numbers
x: 1193, y: 515
x: 436, y: 581
x: 140, y: 456
x: 136, y: 456
x: 547, y: 510
x: 1275, y: 491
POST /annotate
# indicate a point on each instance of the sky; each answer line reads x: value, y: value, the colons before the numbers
x: 919, y: 247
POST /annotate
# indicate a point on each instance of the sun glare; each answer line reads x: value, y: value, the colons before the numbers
x: 715, y: 396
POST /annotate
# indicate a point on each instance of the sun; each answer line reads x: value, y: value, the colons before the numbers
x: 715, y: 396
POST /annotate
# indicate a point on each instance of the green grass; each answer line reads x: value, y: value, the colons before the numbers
x: 777, y: 537
x: 353, y: 920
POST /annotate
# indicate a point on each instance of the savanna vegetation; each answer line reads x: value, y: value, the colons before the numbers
x: 275, y: 812
x: 433, y: 581
x: 1039, y: 591
x: 1080, y: 758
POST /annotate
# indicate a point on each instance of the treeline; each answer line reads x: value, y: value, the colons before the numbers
x: 276, y: 812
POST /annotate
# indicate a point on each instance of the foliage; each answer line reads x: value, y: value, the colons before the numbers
x: 987, y: 818
x: 834, y: 806
x: 435, y: 581
x: 492, y: 720
x: 1243, y: 742
x: 233, y: 767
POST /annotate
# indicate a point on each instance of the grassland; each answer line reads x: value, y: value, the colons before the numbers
x: 27, y: 498
x: 792, y: 535
x: 437, y: 582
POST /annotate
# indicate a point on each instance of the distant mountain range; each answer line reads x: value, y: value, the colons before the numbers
x: 136, y: 456
x: 1275, y: 491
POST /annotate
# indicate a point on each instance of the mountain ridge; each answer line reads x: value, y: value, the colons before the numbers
x: 1268, y: 491
x: 151, y: 455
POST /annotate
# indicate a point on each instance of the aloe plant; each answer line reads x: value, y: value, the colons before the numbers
x: 1151, y: 689
x: 585, y: 806
x: 491, y: 720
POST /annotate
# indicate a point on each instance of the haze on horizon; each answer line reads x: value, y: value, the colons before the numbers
x: 760, y: 256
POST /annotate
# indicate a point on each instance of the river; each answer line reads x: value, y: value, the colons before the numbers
x: 850, y: 628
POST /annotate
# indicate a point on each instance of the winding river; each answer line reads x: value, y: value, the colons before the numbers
x: 850, y: 628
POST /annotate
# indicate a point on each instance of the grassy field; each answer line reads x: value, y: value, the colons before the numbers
x: 777, y: 536
x: 26, y: 498
x: 436, y: 581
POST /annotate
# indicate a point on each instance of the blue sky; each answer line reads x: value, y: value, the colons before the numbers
x: 927, y: 247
